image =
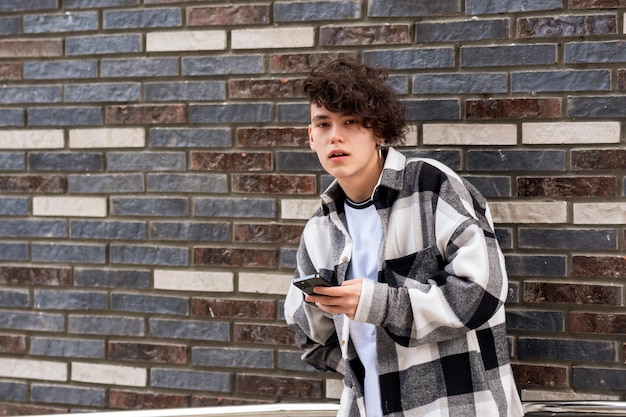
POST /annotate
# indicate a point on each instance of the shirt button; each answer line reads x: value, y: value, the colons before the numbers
x: 344, y: 259
x: 343, y: 342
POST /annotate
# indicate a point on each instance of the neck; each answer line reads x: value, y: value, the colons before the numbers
x: 362, y: 188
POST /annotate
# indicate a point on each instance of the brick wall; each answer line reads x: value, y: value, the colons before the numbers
x: 155, y: 178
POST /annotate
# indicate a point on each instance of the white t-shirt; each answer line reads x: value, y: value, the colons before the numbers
x: 366, y: 231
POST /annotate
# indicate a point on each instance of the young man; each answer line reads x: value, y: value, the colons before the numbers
x: 415, y: 323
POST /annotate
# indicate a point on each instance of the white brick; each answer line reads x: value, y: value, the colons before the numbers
x: 32, y: 369
x: 470, y: 134
x: 273, y: 38
x: 204, y: 281
x: 264, y: 283
x: 298, y: 209
x: 411, y: 136
x: 108, y: 138
x: 600, y: 213
x: 196, y: 40
x: 70, y: 206
x: 541, y: 396
x: 109, y: 374
x: 529, y: 212
x: 334, y: 387
x: 570, y: 132
x: 31, y: 139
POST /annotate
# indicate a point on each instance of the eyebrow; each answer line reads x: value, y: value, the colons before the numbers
x: 319, y: 117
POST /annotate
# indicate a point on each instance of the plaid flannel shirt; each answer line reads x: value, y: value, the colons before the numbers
x: 438, y: 304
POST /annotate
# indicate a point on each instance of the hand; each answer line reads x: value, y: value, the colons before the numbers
x: 337, y: 300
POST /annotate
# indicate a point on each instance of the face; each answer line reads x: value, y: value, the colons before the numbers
x: 346, y: 149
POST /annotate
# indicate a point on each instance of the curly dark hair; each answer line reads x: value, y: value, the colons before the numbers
x: 346, y: 87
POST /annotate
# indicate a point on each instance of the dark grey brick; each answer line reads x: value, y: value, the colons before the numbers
x: 222, y: 65
x: 67, y: 348
x: 547, y: 321
x: 491, y: 186
x: 146, y: 161
x: 60, y: 394
x: 595, y: 52
x: 422, y: 58
x: 417, y: 110
x: 292, y: 361
x: 513, y: 160
x: 53, y: 70
x: 105, y: 184
x: 547, y: 81
x: 112, y: 278
x: 536, y: 265
x: 10, y: 25
x: 305, y: 161
x: 103, y: 325
x: 505, y: 237
x: 70, y: 300
x: 11, y: 117
x: 14, y: 206
x: 599, y: 378
x: 36, y: 321
x: 66, y: 161
x: 146, y: 18
x: 190, y: 232
x: 123, y: 92
x: 578, y: 239
x: 190, y: 329
x: 102, y: 44
x: 14, y: 298
x: 65, y: 116
x: 508, y: 55
x: 63, y: 253
x: 507, y: 6
x: 194, y: 90
x: 576, y: 350
x: 109, y: 230
x: 460, y: 83
x: 92, y: 4
x: 21, y: 5
x: 294, y: 113
x: 190, y: 380
x: 31, y: 94
x: 142, y: 67
x: 230, y: 113
x: 188, y: 183
x: 13, y: 391
x: 129, y: 206
x: 405, y: 8
x: 232, y: 357
x: 14, y: 251
x: 152, y: 304
x: 190, y: 138
x: 234, y: 207
x: 33, y: 228
x: 314, y: 11
x: 12, y: 161
x: 288, y: 259
x: 66, y: 22
x: 450, y: 158
x: 614, y: 106
x: 149, y: 255
x: 464, y: 31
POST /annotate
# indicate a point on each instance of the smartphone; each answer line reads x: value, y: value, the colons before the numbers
x: 307, y: 282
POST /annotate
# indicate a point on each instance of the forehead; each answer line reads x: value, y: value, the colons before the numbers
x: 321, y: 112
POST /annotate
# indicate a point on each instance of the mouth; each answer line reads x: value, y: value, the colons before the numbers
x: 337, y: 154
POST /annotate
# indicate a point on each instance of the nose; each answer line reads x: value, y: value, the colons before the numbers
x: 336, y: 135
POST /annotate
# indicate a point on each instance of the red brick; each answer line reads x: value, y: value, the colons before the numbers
x: 148, y: 352
x: 621, y: 79
x: 274, y: 386
x: 566, y: 26
x: 231, y: 161
x: 274, y: 184
x: 268, y: 233
x: 599, y: 266
x: 12, y: 409
x: 537, y: 375
x: 273, y: 137
x: 128, y: 400
x: 246, y: 258
x: 365, y: 35
x: 33, y: 184
x: 203, y: 401
x: 514, y: 108
x: 12, y: 344
x: 27, y: 276
x: 21, y: 48
x: 599, y: 159
x: 543, y: 292
x: 235, y: 309
x: 292, y: 63
x: 263, y: 334
x: 228, y: 15
x: 10, y: 71
x: 146, y: 114
x: 566, y: 187
x: 596, y: 4
x: 275, y: 88
x: 604, y: 323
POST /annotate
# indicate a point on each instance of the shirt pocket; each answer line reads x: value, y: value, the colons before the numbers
x: 417, y: 267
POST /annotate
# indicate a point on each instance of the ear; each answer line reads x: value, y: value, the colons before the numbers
x: 310, y: 133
